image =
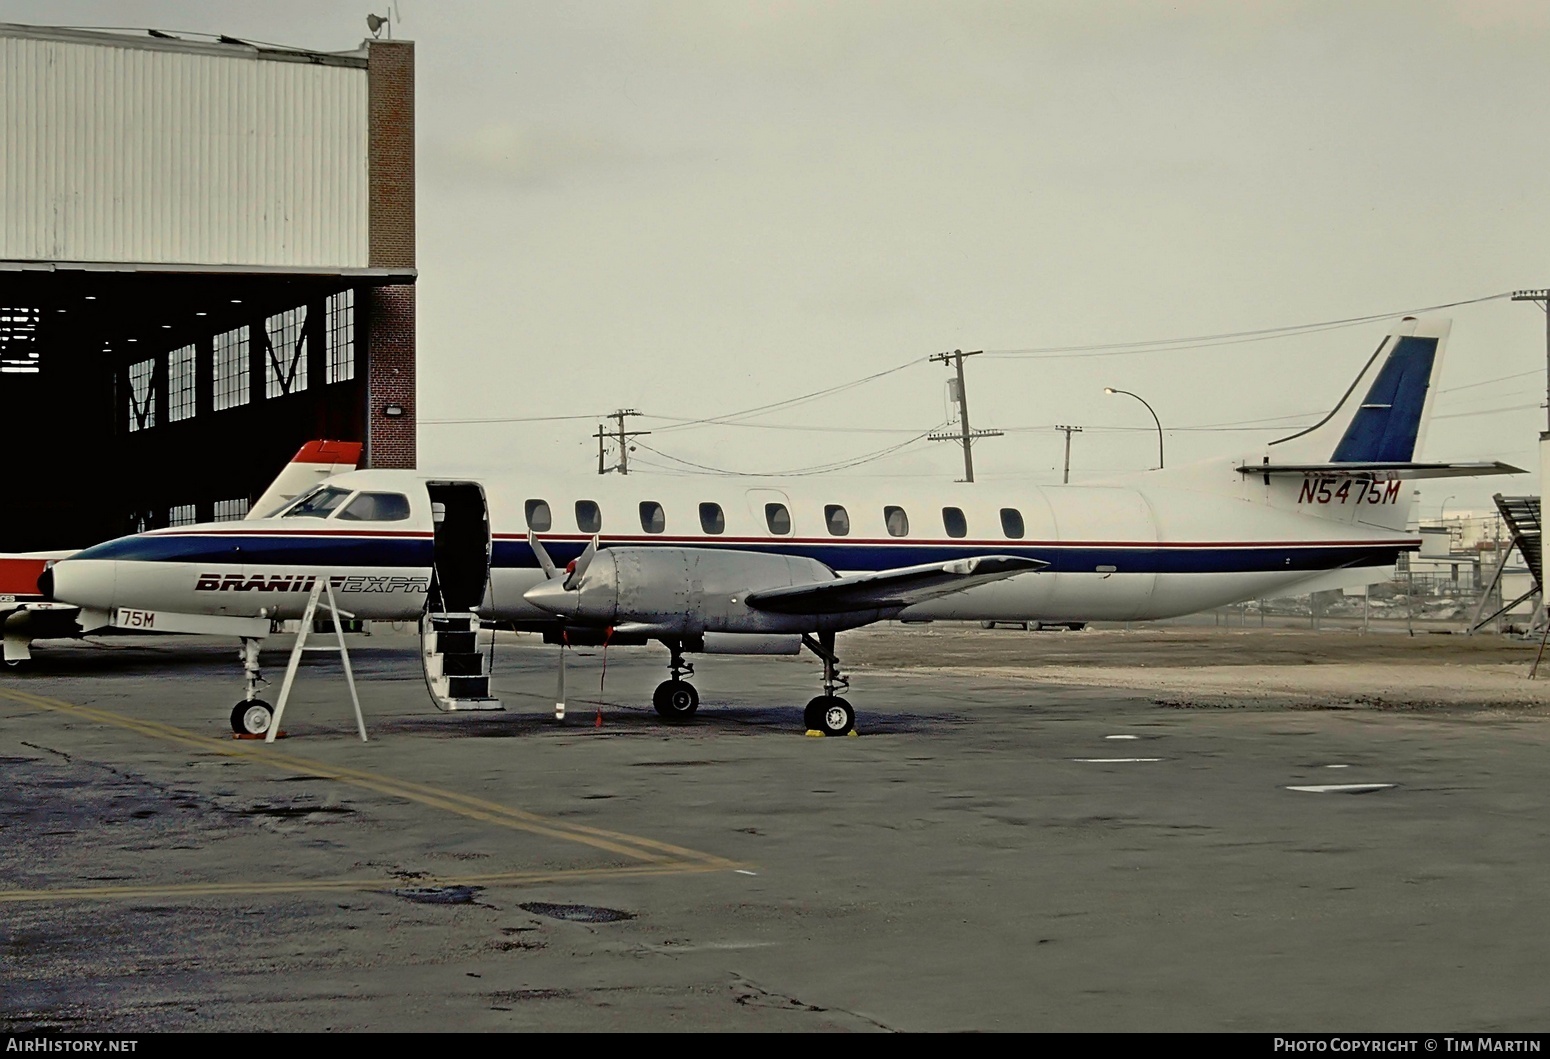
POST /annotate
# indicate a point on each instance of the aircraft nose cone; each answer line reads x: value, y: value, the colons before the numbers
x: 84, y: 582
x: 552, y: 597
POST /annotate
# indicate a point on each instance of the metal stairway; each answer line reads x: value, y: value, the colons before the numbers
x: 457, y: 670
x: 1521, y: 515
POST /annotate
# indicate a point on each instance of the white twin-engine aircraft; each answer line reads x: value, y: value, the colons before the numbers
x: 718, y: 565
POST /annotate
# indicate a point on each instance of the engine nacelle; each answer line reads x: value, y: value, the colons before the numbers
x: 683, y: 592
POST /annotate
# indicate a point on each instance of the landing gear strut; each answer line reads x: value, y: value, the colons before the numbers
x: 675, y: 698
x: 828, y: 713
x: 251, y: 716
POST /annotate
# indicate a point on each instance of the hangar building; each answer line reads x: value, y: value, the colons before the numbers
x: 207, y: 258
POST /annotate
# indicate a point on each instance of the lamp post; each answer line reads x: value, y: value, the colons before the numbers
x: 1149, y: 408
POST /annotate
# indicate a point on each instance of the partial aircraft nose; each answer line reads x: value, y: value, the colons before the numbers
x: 85, y: 582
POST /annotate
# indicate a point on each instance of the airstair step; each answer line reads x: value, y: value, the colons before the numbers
x: 450, y: 642
x: 467, y: 687
x: 462, y: 665
x: 455, y: 705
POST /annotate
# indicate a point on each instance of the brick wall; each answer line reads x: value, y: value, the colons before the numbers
x: 390, y: 333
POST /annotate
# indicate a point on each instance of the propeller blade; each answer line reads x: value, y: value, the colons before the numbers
x: 578, y: 569
x: 545, y: 563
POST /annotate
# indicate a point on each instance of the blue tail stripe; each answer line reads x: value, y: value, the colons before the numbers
x: 1386, y: 426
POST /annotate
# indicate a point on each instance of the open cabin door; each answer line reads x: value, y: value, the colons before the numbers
x: 457, y: 669
x: 462, y: 546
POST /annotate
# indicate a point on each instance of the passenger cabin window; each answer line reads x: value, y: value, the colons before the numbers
x: 589, y: 519
x: 778, y: 519
x: 897, y: 521
x: 837, y: 520
x: 711, y: 518
x: 377, y: 507
x: 320, y: 503
x: 539, y: 519
x: 1012, y: 523
x: 954, y: 522
x: 652, y: 518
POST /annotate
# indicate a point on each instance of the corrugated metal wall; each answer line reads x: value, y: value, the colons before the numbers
x: 135, y: 154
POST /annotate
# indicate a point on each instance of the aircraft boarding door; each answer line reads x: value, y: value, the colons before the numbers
x: 457, y: 668
x: 462, y: 546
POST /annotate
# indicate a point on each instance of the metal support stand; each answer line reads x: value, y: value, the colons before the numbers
x: 321, y: 586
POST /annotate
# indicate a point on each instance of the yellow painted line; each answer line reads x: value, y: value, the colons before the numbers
x: 631, y: 846
x: 315, y: 886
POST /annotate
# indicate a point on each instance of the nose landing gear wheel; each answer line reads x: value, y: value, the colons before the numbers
x: 675, y: 700
x: 830, y: 715
x: 251, y: 717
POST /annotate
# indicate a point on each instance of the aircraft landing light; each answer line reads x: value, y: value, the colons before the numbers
x: 1342, y: 788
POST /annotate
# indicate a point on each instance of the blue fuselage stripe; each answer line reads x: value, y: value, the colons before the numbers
x: 385, y: 552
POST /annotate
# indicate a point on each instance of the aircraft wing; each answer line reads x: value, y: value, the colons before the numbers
x: 901, y: 587
x: 1387, y: 472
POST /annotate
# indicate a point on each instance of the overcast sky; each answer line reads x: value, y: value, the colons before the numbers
x: 692, y: 208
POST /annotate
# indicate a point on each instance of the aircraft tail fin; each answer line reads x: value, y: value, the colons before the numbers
x: 315, y: 461
x: 1382, y: 417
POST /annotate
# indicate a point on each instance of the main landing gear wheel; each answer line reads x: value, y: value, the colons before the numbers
x: 830, y: 715
x: 676, y: 700
x: 251, y: 717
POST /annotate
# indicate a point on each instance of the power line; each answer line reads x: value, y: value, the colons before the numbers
x: 789, y: 402
x: 503, y: 419
x: 801, y: 472
x: 1170, y: 345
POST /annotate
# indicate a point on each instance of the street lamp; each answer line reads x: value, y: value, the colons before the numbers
x: 1149, y: 408
x: 1442, y: 511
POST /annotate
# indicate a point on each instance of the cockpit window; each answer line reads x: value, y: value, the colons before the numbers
x: 377, y: 507
x: 320, y: 503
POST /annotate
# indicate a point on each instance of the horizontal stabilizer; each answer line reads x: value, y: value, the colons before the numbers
x: 1383, y: 472
x: 903, y: 587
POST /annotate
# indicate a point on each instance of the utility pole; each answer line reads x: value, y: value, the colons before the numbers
x: 1065, y: 478
x: 965, y: 435
x: 622, y: 436
x: 1543, y: 298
